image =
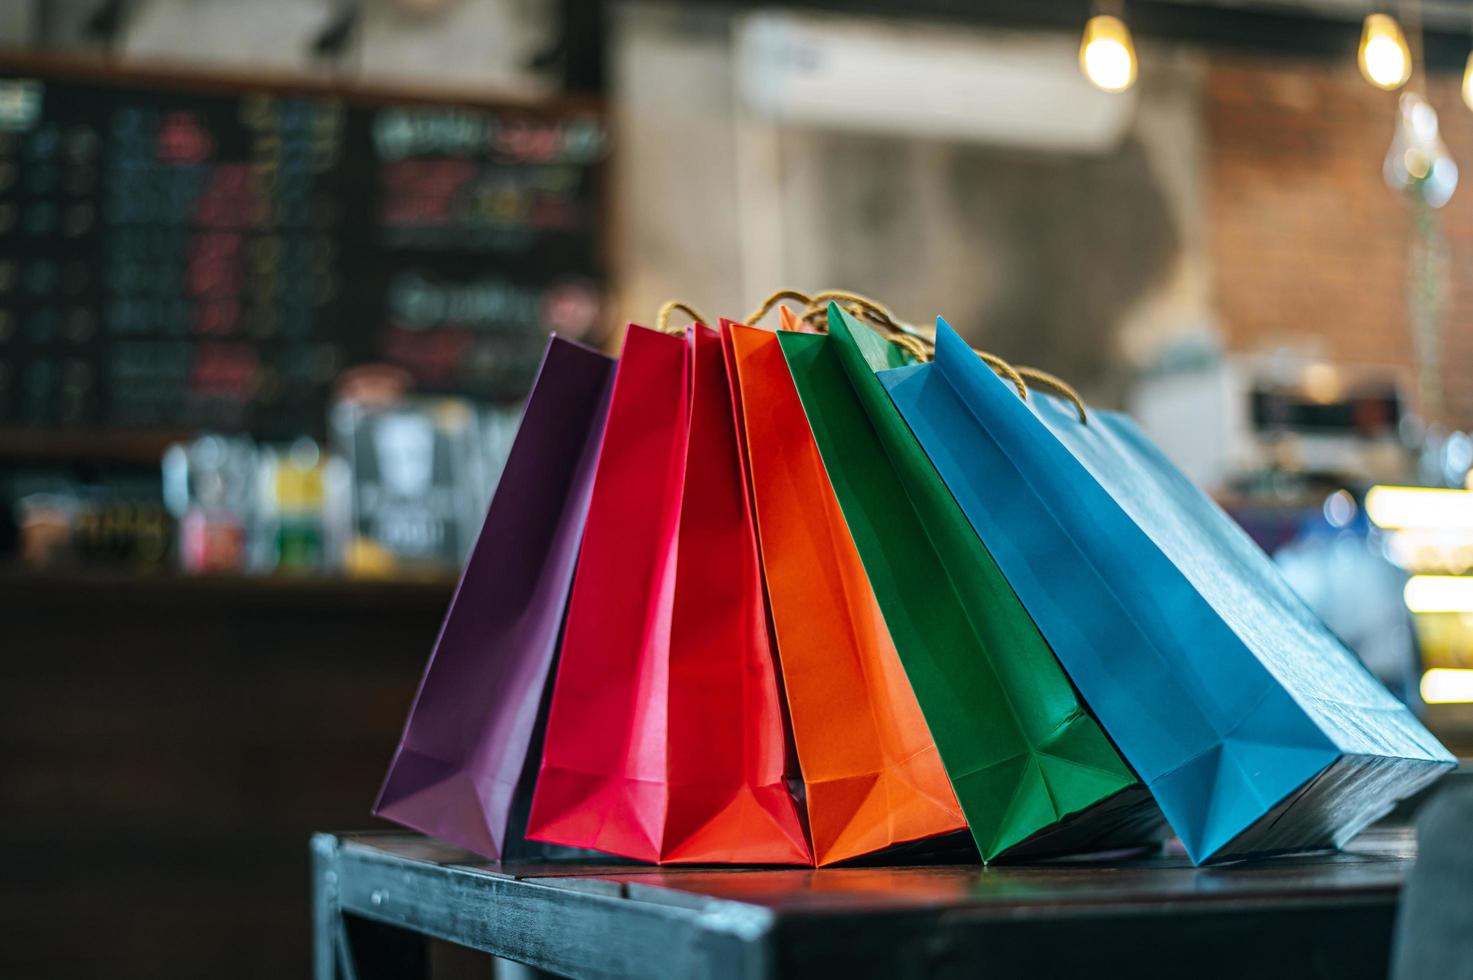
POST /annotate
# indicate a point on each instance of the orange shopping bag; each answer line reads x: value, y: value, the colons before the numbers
x: 871, y: 770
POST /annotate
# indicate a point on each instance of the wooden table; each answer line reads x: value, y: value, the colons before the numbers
x: 380, y: 896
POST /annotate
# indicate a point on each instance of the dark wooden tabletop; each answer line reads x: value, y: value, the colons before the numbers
x: 1327, y: 915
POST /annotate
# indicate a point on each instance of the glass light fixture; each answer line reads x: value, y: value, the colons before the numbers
x: 1429, y: 508
x: 1447, y: 685
x: 1468, y: 82
x: 1439, y: 594
x: 1385, y: 60
x: 1107, y: 54
x: 1418, y: 162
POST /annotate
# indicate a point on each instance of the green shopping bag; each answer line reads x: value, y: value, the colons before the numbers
x: 1034, y: 772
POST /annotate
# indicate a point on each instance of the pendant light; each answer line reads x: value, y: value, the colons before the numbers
x: 1418, y: 162
x: 1384, y: 58
x: 1107, y: 51
x: 1468, y: 82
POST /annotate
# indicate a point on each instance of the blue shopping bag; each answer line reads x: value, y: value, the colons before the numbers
x: 1255, y: 728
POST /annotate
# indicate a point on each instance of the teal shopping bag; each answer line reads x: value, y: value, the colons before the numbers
x: 1254, y: 727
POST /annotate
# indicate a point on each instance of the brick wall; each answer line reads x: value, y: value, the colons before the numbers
x: 1308, y: 244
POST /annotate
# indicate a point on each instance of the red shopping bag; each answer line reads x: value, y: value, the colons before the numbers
x: 665, y: 738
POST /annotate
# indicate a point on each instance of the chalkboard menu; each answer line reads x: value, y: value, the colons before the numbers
x: 178, y: 256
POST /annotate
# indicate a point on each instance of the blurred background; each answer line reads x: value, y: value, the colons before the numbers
x: 275, y: 276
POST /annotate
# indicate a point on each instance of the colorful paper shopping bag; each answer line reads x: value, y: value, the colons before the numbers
x: 1031, y: 767
x: 1254, y: 727
x: 872, y: 775
x: 458, y: 764
x: 665, y: 738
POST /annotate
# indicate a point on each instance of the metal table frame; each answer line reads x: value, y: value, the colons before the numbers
x: 378, y: 898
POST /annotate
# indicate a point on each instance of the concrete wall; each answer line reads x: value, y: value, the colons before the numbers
x: 1080, y: 263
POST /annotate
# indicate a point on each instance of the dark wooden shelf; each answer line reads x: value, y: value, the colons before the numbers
x: 130, y: 447
x: 89, y: 588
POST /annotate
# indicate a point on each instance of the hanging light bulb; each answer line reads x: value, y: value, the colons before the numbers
x: 1384, y: 57
x: 1468, y: 86
x: 1107, y: 53
x: 1418, y: 163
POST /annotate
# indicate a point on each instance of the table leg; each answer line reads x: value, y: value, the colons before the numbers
x: 512, y: 970
x: 327, y: 918
x: 346, y: 947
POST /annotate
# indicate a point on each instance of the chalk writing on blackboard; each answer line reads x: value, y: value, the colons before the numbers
x: 174, y: 256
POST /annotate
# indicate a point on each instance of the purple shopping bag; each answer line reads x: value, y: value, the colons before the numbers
x: 457, y: 770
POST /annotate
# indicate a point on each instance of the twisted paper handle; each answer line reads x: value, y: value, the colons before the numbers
x: 662, y: 319
x: 1042, y: 379
x: 901, y: 334
x: 775, y: 298
x: 1002, y: 367
x: 860, y: 306
x: 1022, y: 377
x: 909, y: 338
